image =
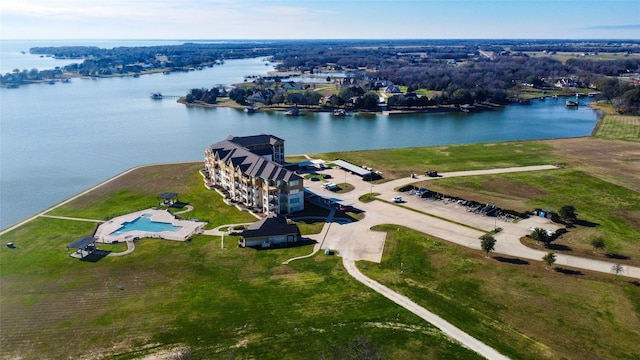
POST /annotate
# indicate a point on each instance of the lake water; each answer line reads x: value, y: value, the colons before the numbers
x: 58, y: 140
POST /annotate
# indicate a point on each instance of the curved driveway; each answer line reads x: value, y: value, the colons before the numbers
x: 357, y: 242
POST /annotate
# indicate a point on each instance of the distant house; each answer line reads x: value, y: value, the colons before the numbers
x: 273, y: 230
x: 260, y: 96
x: 393, y: 89
x: 291, y: 85
x: 566, y: 83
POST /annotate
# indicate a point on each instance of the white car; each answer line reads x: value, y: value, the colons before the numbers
x: 397, y: 199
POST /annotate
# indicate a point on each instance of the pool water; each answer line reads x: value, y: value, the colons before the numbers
x: 144, y: 223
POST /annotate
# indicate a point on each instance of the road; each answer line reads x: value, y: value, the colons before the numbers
x: 356, y: 241
x: 443, y: 219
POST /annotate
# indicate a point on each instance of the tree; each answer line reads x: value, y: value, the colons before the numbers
x: 540, y: 235
x: 370, y: 100
x: 568, y: 213
x: 487, y: 243
x: 549, y: 259
x: 597, y: 243
x: 617, y: 269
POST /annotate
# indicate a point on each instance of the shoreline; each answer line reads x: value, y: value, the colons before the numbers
x: 84, y: 192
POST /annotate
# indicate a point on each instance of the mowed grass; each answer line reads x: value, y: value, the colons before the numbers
x: 402, y: 162
x: 220, y: 303
x: 518, y: 307
x: 139, y: 190
x: 619, y: 127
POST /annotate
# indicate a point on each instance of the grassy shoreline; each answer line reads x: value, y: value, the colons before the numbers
x: 241, y: 303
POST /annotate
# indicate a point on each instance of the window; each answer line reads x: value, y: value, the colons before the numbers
x: 294, y: 182
x: 294, y: 192
x: 295, y: 200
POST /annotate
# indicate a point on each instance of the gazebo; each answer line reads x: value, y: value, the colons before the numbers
x: 168, y: 198
x: 83, y: 247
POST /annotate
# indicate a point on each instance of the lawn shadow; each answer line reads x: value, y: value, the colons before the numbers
x: 568, y: 271
x: 299, y: 243
x: 514, y: 261
x: 96, y: 256
x: 558, y: 247
x: 585, y: 223
x: 635, y: 283
x: 617, y: 256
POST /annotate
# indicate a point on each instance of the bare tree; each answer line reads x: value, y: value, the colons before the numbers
x: 617, y: 269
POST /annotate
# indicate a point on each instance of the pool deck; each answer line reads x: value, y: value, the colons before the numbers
x: 104, y: 231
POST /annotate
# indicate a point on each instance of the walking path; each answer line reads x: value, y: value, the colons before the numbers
x: 444, y: 326
x: 71, y: 218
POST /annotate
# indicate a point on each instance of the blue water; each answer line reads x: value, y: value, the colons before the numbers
x: 144, y: 223
x: 58, y: 140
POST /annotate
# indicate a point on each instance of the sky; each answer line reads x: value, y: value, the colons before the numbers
x: 311, y: 19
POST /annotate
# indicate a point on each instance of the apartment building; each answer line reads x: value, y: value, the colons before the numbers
x: 250, y: 171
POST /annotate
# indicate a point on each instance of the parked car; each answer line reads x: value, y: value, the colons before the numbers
x: 327, y: 176
x: 397, y: 199
x: 315, y: 179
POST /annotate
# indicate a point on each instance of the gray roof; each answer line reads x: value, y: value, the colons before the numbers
x: 254, y: 139
x: 81, y: 243
x: 167, y: 195
x: 353, y: 168
x: 251, y: 163
x: 274, y: 225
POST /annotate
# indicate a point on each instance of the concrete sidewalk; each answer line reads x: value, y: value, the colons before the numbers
x: 444, y: 326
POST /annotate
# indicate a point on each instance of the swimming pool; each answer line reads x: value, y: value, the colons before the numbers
x: 144, y: 223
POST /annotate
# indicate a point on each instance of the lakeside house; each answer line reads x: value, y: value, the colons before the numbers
x: 250, y: 171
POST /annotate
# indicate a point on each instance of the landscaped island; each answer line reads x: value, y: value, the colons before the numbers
x: 207, y: 298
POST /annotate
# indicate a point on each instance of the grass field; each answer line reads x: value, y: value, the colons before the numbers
x: 564, y: 56
x: 235, y: 303
x: 614, y: 213
x: 520, y: 308
x: 619, y: 127
x: 402, y: 162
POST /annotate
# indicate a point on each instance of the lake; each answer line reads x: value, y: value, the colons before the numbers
x: 58, y: 140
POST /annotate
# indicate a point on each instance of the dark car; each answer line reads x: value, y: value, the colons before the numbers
x: 315, y: 179
x: 327, y: 176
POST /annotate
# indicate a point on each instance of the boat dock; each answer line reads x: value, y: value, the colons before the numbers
x: 160, y: 96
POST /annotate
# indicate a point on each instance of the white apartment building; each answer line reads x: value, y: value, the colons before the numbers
x: 250, y: 170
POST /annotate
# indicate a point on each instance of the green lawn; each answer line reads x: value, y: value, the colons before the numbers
x: 518, y: 307
x: 238, y: 303
x: 611, y: 212
x: 619, y: 127
x: 219, y: 303
x: 405, y: 161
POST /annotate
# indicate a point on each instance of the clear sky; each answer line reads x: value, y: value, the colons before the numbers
x: 311, y: 19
